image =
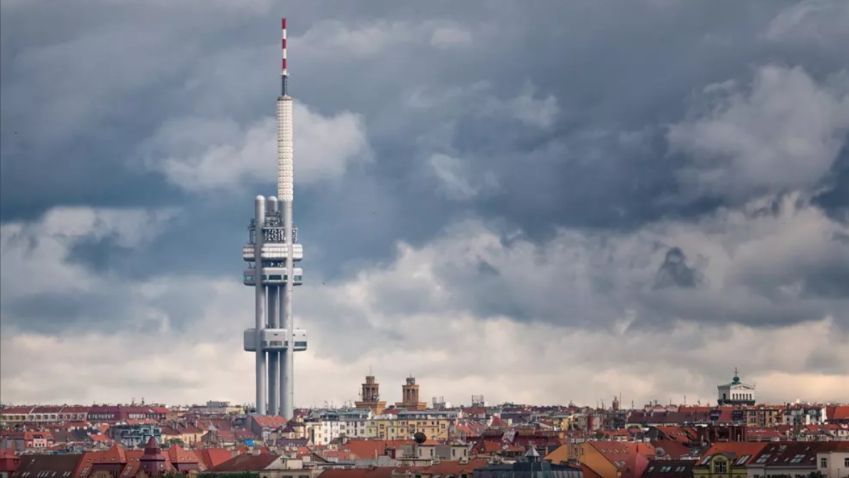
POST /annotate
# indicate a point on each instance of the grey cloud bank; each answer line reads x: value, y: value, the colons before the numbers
x: 500, y: 184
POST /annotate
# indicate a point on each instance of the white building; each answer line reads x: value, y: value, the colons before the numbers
x: 736, y: 392
x: 805, y: 414
x: 324, y: 427
x: 833, y: 464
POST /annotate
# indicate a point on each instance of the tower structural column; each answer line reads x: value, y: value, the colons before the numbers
x: 273, y: 323
x: 261, y: 372
x: 289, y: 373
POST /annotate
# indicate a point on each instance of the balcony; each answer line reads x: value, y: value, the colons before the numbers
x: 273, y: 252
x: 275, y: 339
x: 274, y: 276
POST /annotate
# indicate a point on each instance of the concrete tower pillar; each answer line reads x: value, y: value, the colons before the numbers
x: 273, y: 323
x: 289, y: 374
x: 261, y: 373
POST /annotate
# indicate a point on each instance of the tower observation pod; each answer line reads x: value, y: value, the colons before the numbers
x: 271, y: 254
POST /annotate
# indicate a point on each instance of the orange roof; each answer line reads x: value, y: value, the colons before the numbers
x: 246, y: 463
x: 133, y: 463
x: 177, y: 454
x: 838, y: 412
x: 114, y: 455
x: 630, y: 458
x: 737, y: 449
x: 269, y: 421
x: 673, y: 449
x: 589, y: 472
x: 213, y: 456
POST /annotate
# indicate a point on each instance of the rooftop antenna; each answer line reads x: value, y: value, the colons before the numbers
x: 284, y: 64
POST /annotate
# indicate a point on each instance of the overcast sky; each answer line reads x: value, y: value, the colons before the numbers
x: 539, y: 201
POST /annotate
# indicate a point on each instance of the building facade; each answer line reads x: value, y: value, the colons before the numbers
x: 410, y: 396
x: 736, y: 392
x: 370, y: 397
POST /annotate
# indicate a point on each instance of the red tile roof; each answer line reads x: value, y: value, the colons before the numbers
x: 47, y: 465
x: 269, y: 421
x: 246, y: 463
x: 113, y: 456
x: 212, y: 457
x: 630, y: 458
x: 179, y: 455
x: 672, y: 448
x: 796, y: 454
x: 589, y: 472
x: 736, y: 449
x: 455, y: 468
x: 838, y: 412
x: 368, y: 449
x: 133, y: 463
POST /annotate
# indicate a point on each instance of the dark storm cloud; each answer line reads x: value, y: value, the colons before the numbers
x: 675, y: 272
x: 834, y: 197
x: 550, y: 115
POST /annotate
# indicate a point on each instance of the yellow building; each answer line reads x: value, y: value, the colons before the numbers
x: 764, y: 416
x: 720, y: 465
x: 727, y: 460
x: 370, y: 397
x: 188, y: 435
x: 387, y: 428
x: 565, y: 453
x: 588, y: 455
x: 606, y: 459
x: 410, y: 395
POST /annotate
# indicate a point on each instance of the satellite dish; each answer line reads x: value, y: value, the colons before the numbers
x: 419, y: 437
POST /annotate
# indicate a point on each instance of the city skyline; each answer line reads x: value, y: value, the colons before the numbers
x: 536, y: 203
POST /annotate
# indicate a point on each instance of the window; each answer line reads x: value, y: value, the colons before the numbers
x: 823, y: 462
x: 720, y: 467
x: 846, y: 462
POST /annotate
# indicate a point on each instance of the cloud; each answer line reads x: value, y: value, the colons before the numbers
x: 480, y: 99
x: 450, y: 37
x: 331, y: 37
x: 200, y: 154
x: 501, y: 177
x: 756, y: 266
x: 817, y: 22
x: 35, y: 255
x: 455, y: 182
x: 782, y: 133
x: 536, y: 112
x: 522, y: 304
x: 675, y: 272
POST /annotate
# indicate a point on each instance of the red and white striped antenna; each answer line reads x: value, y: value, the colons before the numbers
x: 284, y: 65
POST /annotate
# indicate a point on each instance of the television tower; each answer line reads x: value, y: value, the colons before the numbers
x: 271, y: 253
